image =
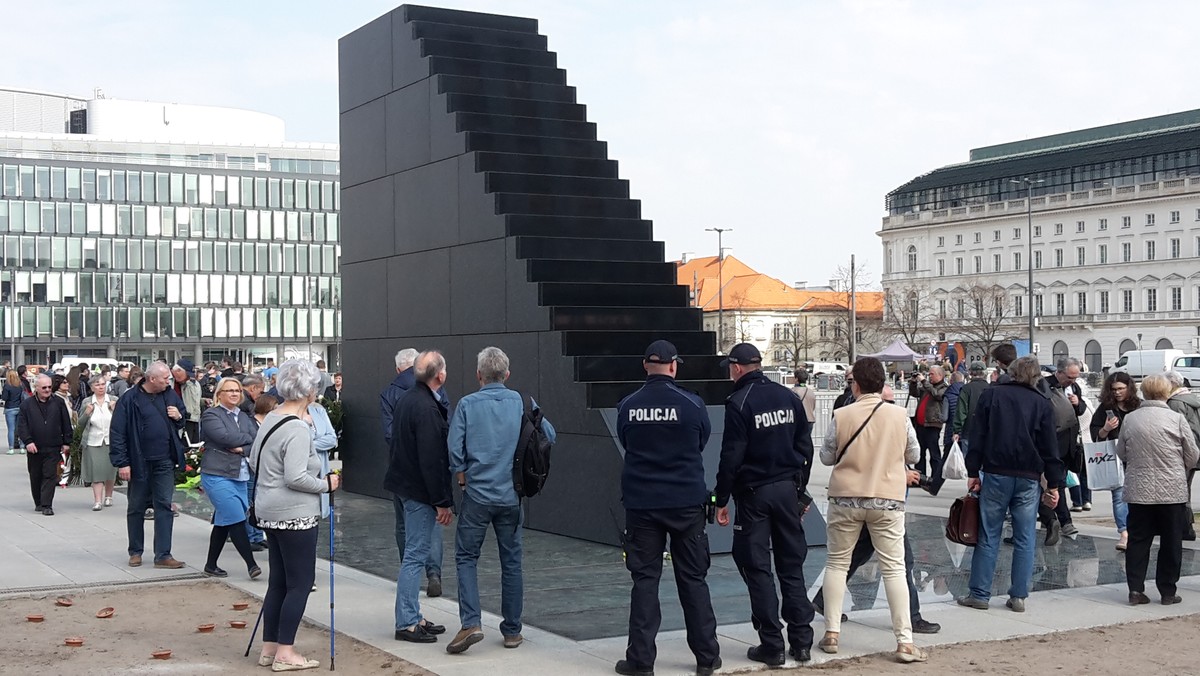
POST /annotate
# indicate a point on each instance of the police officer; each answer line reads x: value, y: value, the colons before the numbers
x: 663, y: 429
x: 766, y: 457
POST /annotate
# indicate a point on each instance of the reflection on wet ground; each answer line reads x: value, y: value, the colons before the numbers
x: 581, y: 590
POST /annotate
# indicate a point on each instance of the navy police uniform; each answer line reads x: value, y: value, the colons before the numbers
x: 766, y: 458
x: 663, y: 429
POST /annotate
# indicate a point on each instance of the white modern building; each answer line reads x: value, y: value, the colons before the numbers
x: 141, y: 230
x: 1114, y: 243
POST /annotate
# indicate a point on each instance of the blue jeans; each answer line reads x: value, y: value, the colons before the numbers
x: 1120, y: 509
x: 10, y: 420
x: 473, y: 520
x: 153, y: 488
x: 999, y: 495
x: 433, y: 562
x: 419, y: 521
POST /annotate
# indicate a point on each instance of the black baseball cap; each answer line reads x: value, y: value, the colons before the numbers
x: 742, y: 353
x: 662, y: 352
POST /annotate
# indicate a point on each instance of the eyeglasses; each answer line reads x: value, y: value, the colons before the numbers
x: 45, y: 387
x: 229, y: 391
x: 849, y: 381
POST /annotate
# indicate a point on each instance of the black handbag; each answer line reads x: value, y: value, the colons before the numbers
x: 250, y: 516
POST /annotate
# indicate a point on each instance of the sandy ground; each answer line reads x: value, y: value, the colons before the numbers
x: 151, y: 617
x: 1152, y: 647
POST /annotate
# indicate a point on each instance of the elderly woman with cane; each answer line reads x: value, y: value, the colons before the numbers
x: 287, y: 506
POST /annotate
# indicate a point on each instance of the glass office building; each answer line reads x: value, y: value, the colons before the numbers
x: 158, y: 248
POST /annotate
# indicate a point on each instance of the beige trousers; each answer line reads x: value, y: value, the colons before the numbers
x: 887, y: 535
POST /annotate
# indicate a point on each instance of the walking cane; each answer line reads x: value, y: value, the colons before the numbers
x: 256, y: 623
x: 332, y: 632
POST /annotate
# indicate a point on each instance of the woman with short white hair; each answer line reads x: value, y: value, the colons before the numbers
x: 287, y: 506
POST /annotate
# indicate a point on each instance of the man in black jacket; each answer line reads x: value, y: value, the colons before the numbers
x: 44, y: 428
x: 766, y: 458
x: 1066, y: 400
x: 419, y: 475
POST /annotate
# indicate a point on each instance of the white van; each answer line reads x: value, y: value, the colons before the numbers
x: 1141, y: 363
x: 1188, y: 366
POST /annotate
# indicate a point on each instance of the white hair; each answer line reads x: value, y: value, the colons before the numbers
x: 405, y: 358
x: 297, y: 379
x: 492, y: 365
x: 158, y: 369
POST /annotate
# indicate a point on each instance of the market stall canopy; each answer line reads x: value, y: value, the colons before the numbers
x: 898, y: 351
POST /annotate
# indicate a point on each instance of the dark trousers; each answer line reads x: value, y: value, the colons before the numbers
x: 770, y: 516
x: 1061, y: 512
x: 153, y: 487
x: 1081, y: 493
x: 293, y: 557
x: 929, y: 438
x: 863, y: 551
x: 43, y: 475
x: 1146, y: 521
x: 646, y: 533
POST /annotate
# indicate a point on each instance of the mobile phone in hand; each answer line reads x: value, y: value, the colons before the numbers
x: 1110, y: 414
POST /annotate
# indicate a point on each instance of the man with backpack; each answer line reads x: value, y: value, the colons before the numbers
x: 663, y: 429
x: 486, y: 431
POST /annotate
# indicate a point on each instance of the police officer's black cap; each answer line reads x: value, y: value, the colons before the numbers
x: 742, y: 353
x: 662, y: 352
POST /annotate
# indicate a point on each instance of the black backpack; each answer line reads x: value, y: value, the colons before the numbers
x: 531, y: 462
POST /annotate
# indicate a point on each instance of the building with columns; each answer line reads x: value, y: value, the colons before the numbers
x: 139, y: 231
x: 1111, y: 229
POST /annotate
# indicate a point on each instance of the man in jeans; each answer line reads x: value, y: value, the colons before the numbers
x: 1012, y: 445
x: 145, y: 448
x: 484, y: 432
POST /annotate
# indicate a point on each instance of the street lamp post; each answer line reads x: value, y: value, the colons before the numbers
x: 720, y: 285
x: 1029, y: 183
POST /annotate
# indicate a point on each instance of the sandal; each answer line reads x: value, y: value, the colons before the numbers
x: 908, y: 653
x: 266, y: 660
x: 294, y: 666
x: 829, y: 644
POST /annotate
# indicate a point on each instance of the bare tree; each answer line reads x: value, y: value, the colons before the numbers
x: 839, y: 339
x: 907, y: 312
x: 987, y: 316
x: 794, y: 339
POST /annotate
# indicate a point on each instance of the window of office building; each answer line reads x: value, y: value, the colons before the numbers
x: 941, y: 241
x: 978, y: 237
x: 1126, y: 252
x: 1150, y: 250
x: 1149, y: 219
x: 1127, y: 300
x: 1037, y: 231
x: 1037, y: 306
x: 1174, y: 247
x: 1037, y: 260
x: 1151, y: 300
x: 1080, y: 226
x: 1081, y: 302
x: 1174, y: 216
x: 941, y: 268
x: 1016, y: 260
x: 1102, y: 225
x: 996, y: 262
x: 958, y: 238
x: 1059, y: 304
x: 995, y: 235
x: 978, y: 264
x: 1080, y: 255
x: 1019, y: 305
x: 1103, y: 302
x: 1176, y: 298
x: 1126, y: 221
x: 941, y: 309
x: 1102, y: 254
x: 958, y: 266
x: 1016, y: 233
x: 1058, y: 228
x: 1058, y: 258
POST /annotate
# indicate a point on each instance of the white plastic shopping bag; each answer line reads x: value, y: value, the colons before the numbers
x: 1104, y: 470
x: 955, y: 466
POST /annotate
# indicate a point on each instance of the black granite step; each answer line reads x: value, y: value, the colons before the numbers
x: 446, y: 65
x: 536, y: 145
x: 634, y: 343
x: 542, y: 270
x: 629, y: 368
x: 459, y: 17
x: 625, y: 318
x: 512, y: 163
x: 525, y: 126
x: 545, y: 184
x: 517, y: 225
x: 609, y: 395
x: 595, y: 249
x: 477, y: 52
x: 630, y: 295
x: 499, y: 105
x: 567, y: 205
x: 477, y: 35
x: 534, y: 91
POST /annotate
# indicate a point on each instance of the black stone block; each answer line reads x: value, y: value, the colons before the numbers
x: 595, y: 368
x: 624, y: 318
x: 542, y: 184
x: 448, y: 84
x: 368, y: 221
x: 568, y: 205
x: 364, y: 293
x: 498, y: 71
x: 581, y: 499
x: 427, y: 207
x: 629, y: 295
x: 573, y: 248
x: 407, y: 127
x: 541, y: 164
x: 480, y: 36
x: 606, y: 395
x: 497, y: 54
x: 363, y: 152
x: 601, y: 271
x: 496, y: 105
x: 475, y: 307
x: 573, y: 226
x: 458, y: 17
x: 526, y: 126
x: 365, y: 64
x: 419, y: 301
x: 477, y: 217
x: 634, y: 342
x: 534, y: 145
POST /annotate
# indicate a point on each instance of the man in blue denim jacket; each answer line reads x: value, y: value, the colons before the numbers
x: 483, y: 439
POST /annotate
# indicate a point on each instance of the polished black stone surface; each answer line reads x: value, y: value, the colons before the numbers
x: 580, y: 589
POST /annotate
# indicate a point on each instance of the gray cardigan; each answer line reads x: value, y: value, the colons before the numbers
x: 219, y: 434
x: 288, y: 483
x: 1158, y: 447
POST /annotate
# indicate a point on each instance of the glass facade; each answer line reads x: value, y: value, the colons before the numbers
x: 100, y: 256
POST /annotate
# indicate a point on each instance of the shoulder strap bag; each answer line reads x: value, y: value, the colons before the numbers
x: 856, y: 433
x: 250, y: 517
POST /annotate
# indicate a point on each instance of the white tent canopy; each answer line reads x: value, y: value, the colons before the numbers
x: 898, y: 351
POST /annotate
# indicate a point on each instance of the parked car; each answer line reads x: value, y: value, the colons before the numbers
x: 1188, y: 366
x: 1141, y: 363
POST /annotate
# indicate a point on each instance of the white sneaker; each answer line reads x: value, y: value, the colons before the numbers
x: 97, y: 507
x: 108, y: 502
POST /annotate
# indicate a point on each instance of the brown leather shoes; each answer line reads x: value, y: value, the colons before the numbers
x: 169, y: 562
x: 135, y: 560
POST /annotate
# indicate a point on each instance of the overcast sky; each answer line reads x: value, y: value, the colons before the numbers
x: 786, y: 121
